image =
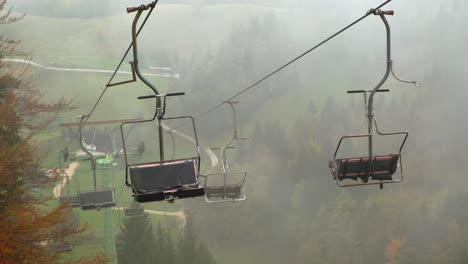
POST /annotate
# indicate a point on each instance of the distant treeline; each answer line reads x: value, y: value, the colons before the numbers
x: 90, y: 8
x: 67, y: 8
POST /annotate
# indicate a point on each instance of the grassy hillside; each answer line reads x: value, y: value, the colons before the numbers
x: 55, y: 40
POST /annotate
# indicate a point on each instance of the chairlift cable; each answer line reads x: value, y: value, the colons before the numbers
x: 289, y: 63
x: 113, y: 75
x: 117, y: 69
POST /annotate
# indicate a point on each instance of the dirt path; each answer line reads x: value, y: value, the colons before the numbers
x: 85, y: 70
x: 69, y: 171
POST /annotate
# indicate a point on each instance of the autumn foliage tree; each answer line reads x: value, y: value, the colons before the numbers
x: 29, y: 225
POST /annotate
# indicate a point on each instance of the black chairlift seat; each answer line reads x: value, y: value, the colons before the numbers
x: 382, y: 169
x: 132, y: 212
x: 73, y: 200
x: 119, y: 243
x: 167, y: 180
x: 228, y: 191
x: 97, y: 199
x: 63, y: 247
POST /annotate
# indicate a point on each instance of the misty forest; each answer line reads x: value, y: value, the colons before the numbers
x: 233, y: 131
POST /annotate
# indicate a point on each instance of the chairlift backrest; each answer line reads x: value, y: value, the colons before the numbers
x: 164, y: 175
x: 119, y: 244
x: 132, y: 212
x: 63, y: 246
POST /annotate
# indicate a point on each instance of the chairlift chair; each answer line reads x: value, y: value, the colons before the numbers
x: 119, y: 241
x: 73, y: 200
x: 63, y: 246
x: 97, y: 199
x: 163, y: 179
x: 371, y: 169
x: 94, y: 199
x: 135, y: 210
x: 380, y: 170
x: 227, y: 191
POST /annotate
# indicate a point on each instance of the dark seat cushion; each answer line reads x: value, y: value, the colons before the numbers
x: 161, y: 176
x: 97, y: 199
x: 383, y: 167
x: 134, y: 211
x: 63, y: 246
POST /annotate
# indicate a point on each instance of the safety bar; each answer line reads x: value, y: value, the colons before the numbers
x: 171, y: 133
x: 142, y: 7
x: 369, y: 91
x: 230, y: 147
x: 404, y: 133
x: 160, y: 95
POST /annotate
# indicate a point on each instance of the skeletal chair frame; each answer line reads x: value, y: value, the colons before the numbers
x: 379, y: 169
x: 148, y: 180
x: 227, y: 192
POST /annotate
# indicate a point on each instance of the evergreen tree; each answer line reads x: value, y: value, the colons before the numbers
x: 139, y: 241
x: 166, y: 246
x: 28, y: 231
x: 191, y: 251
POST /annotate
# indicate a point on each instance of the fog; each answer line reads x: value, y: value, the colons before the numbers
x: 294, y: 211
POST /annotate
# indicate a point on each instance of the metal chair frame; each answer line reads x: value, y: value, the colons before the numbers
x: 73, y: 200
x: 334, y: 166
x: 175, y: 192
x: 369, y: 107
x: 119, y: 242
x: 63, y: 246
x: 134, y: 212
x: 93, y: 168
x: 226, y: 196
